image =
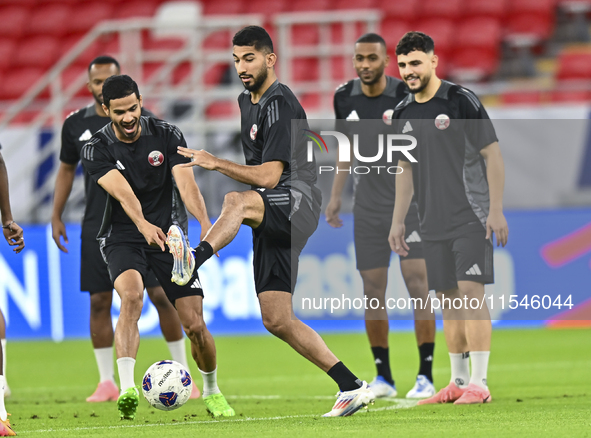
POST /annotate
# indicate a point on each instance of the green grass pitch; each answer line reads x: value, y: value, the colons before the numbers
x: 539, y: 381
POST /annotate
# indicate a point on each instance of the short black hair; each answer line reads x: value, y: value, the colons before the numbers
x: 118, y: 87
x: 412, y: 41
x: 254, y: 36
x: 104, y: 59
x: 371, y: 38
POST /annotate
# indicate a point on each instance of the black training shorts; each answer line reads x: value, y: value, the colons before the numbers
x: 290, y: 219
x: 371, y: 230
x: 143, y: 258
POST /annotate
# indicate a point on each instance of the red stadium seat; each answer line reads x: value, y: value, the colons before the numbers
x: 14, y: 21
x: 310, y: 102
x: 86, y: 56
x: 482, y: 33
x: 214, y: 74
x: 574, y: 64
x: 522, y: 98
x: 354, y: 4
x: 305, y: 34
x: 308, y: 5
x: 571, y: 96
x: 529, y: 29
x: 452, y: 9
x: 442, y: 31
x: 341, y: 69
x: 226, y: 7
x: 267, y: 7
x: 17, y: 81
x: 392, y: 30
x: 72, y: 73
x: 7, y: 48
x: 87, y: 15
x: 305, y: 69
x: 136, y: 9
x: 41, y: 51
x: 49, y: 20
x: 485, y: 8
x: 218, y: 40
x: 222, y: 109
x: 181, y: 73
x: 401, y: 10
x: 473, y: 64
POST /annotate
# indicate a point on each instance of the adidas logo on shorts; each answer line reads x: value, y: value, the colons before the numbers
x: 474, y: 270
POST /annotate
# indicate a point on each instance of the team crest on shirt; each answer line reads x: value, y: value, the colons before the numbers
x: 253, y: 132
x: 156, y: 158
x: 387, y: 116
x: 442, y: 121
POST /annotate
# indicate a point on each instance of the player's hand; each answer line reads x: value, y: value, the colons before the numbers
x: 332, y: 212
x: 497, y: 224
x: 14, y: 236
x: 58, y: 230
x: 199, y: 158
x: 396, y: 239
x: 153, y: 235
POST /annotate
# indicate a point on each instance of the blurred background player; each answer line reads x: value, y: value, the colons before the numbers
x: 13, y: 234
x: 134, y: 158
x: 94, y: 276
x: 460, y: 207
x: 374, y: 96
x: 282, y: 207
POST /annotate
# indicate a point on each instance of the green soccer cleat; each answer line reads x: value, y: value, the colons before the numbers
x: 217, y: 405
x: 127, y: 403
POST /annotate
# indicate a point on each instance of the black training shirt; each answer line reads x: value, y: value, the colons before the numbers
x: 450, y: 176
x: 76, y: 131
x: 147, y: 166
x: 266, y: 134
x: 373, y: 191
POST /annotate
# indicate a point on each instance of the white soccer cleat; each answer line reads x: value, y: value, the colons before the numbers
x: 423, y: 388
x: 382, y: 389
x: 349, y: 402
x: 184, y: 261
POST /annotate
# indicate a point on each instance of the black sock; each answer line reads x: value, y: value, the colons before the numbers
x: 426, y: 364
x: 343, y: 377
x: 203, y: 252
x: 382, y: 360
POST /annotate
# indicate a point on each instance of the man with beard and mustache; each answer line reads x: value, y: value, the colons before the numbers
x: 94, y: 276
x: 373, y: 96
x: 134, y: 159
x: 458, y: 178
x: 282, y: 207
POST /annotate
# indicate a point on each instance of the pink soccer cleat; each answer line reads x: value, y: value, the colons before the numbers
x: 195, y: 393
x: 474, y: 394
x: 105, y: 391
x: 6, y: 428
x: 445, y: 395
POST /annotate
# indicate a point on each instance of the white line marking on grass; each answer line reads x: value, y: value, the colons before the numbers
x: 398, y: 404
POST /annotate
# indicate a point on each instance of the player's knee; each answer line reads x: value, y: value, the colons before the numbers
x: 132, y: 300
x: 159, y: 298
x: 233, y: 201
x: 195, y: 329
x: 100, y: 303
x: 415, y: 282
x: 276, y: 327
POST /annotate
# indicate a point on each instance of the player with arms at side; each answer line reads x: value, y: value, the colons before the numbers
x: 458, y: 179
x: 94, y: 276
x: 13, y: 234
x: 134, y: 159
x: 373, y: 96
x: 282, y: 207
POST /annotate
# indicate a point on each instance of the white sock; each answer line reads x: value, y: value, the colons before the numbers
x: 178, y: 351
x: 460, y: 368
x: 126, y: 366
x: 104, y: 361
x: 3, y: 341
x: 210, y: 382
x: 479, y: 361
x: 3, y: 414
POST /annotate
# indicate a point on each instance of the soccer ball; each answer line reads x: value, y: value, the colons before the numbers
x: 167, y: 385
